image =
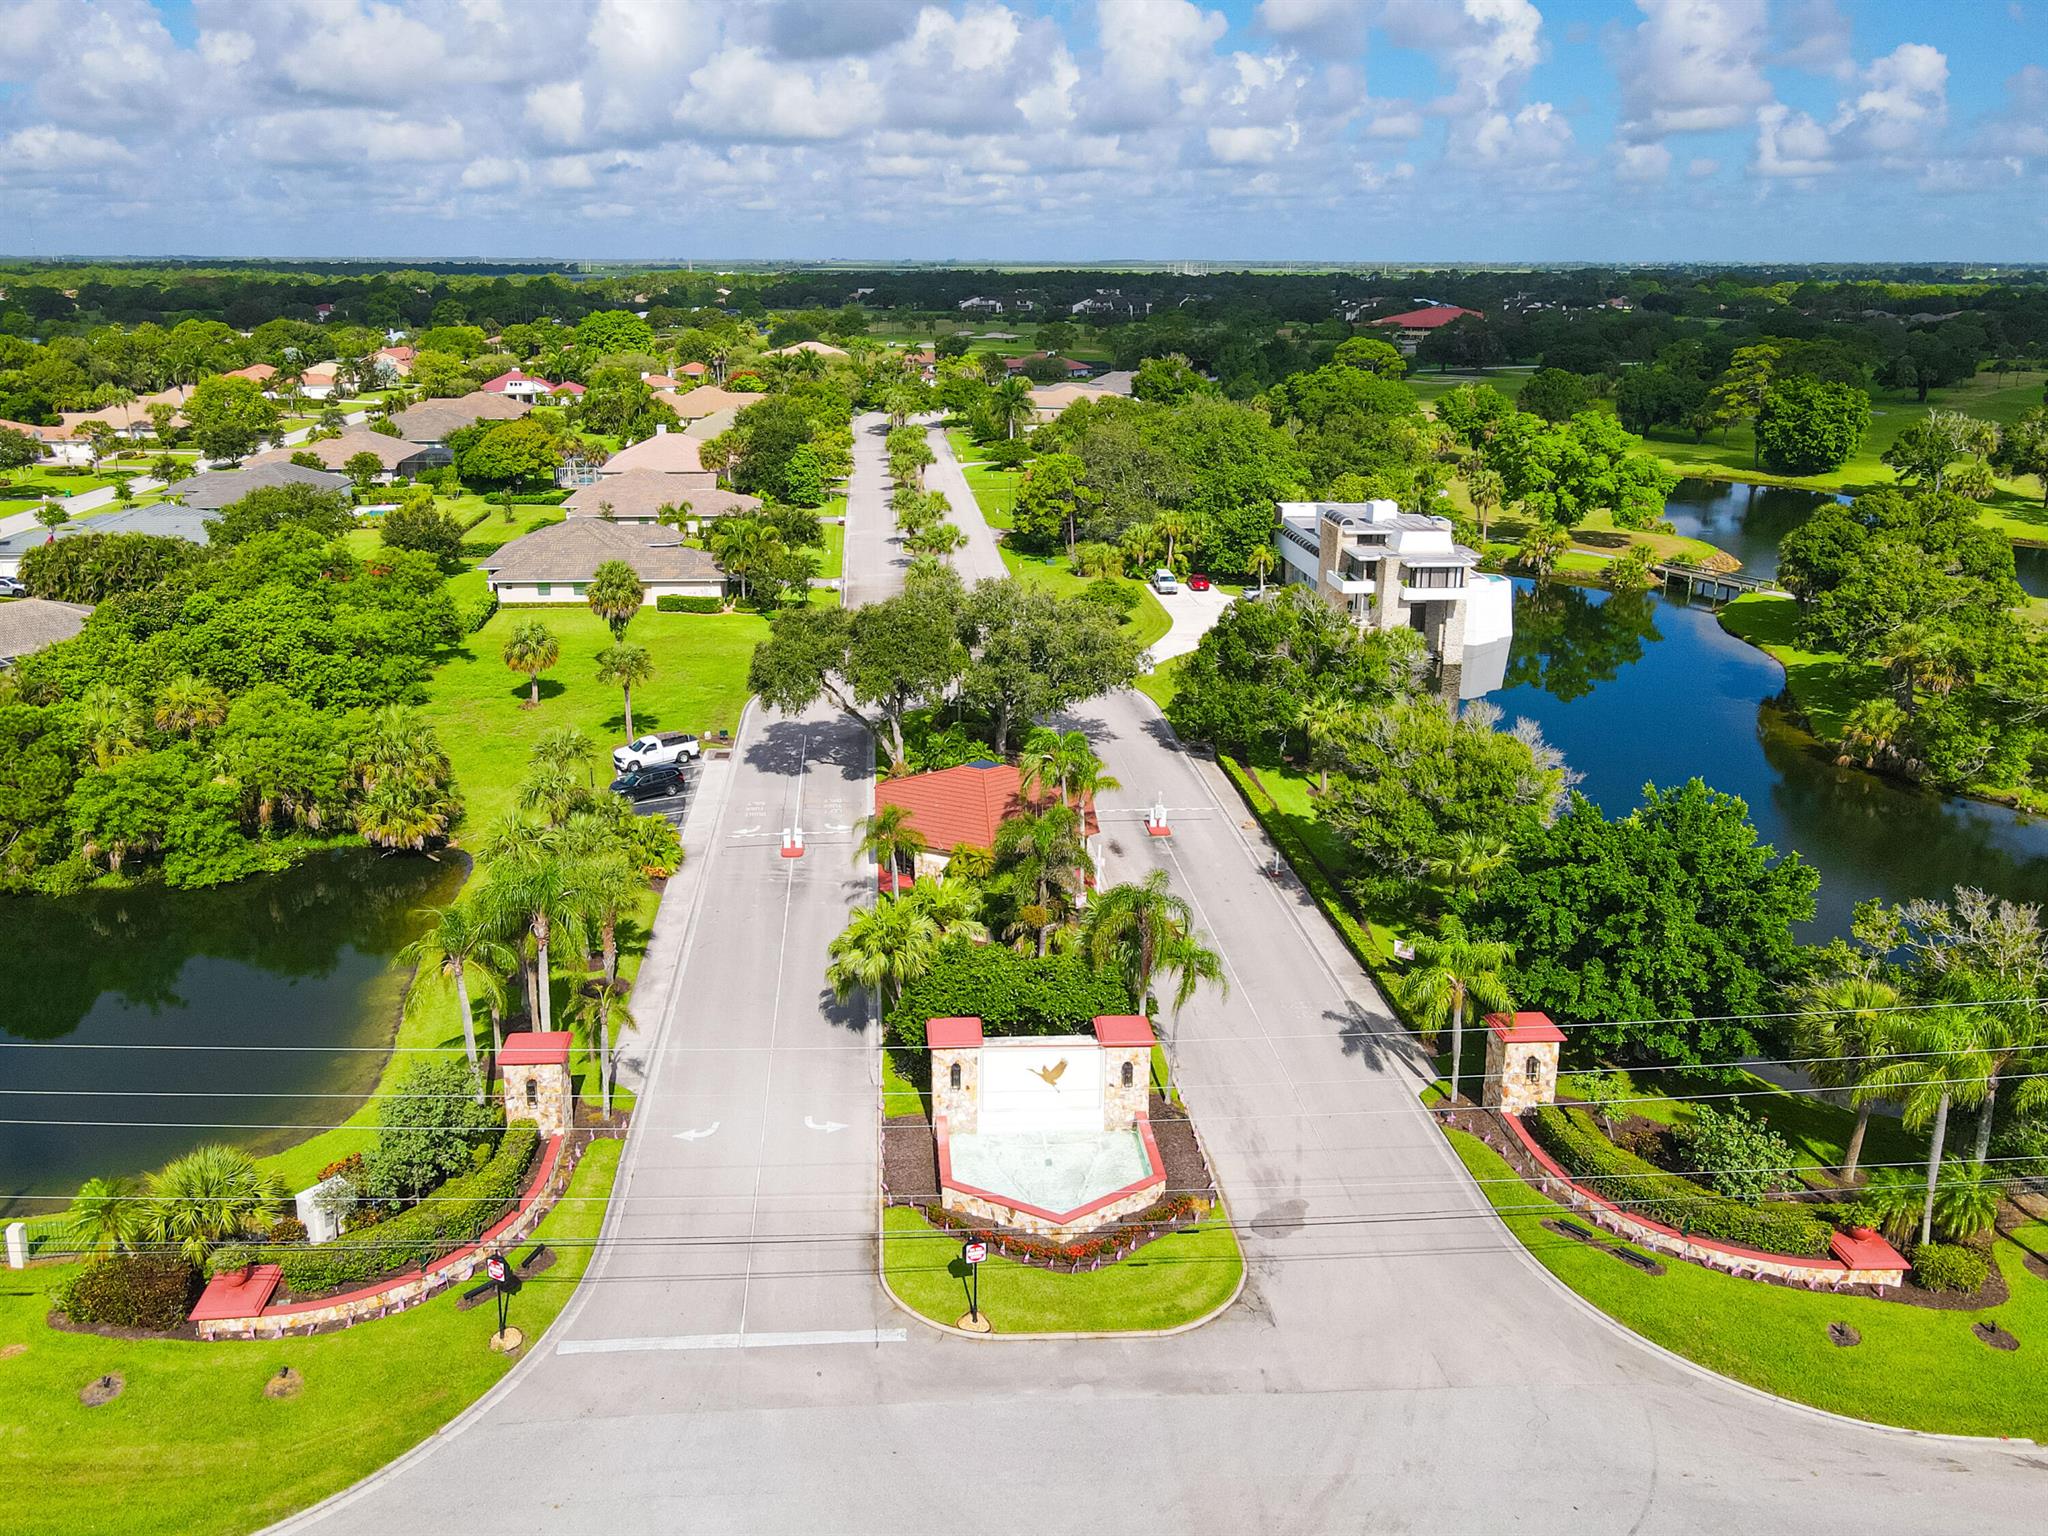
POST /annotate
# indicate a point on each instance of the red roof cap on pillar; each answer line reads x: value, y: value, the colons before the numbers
x: 236, y: 1293
x: 537, y: 1048
x: 1124, y: 1029
x: 952, y: 1034
x: 1861, y: 1248
x: 1525, y: 1028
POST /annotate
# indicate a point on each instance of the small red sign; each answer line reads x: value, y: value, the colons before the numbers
x: 974, y: 1253
x: 494, y: 1266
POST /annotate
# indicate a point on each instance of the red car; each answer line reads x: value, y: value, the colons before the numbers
x: 1198, y: 582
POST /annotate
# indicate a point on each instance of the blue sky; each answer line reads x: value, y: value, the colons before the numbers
x: 1028, y: 130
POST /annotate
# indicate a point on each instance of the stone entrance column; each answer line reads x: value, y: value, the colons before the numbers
x: 1521, y: 1061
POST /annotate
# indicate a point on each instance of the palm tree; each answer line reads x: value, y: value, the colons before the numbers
x: 1487, y: 491
x: 1542, y: 547
x: 970, y: 862
x: 105, y: 1216
x: 1845, y: 1030
x: 1466, y: 861
x: 622, y: 666
x: 1171, y: 526
x: 890, y: 839
x: 206, y: 1196
x: 457, y: 940
x: 112, y: 723
x: 401, y: 813
x: 597, y: 1021
x: 611, y: 886
x: 1143, y: 930
x: 1045, y: 853
x: 189, y: 704
x: 1009, y: 403
x: 744, y: 545
x: 1260, y: 561
x: 940, y: 541
x: 532, y: 648
x: 540, y: 891
x: 615, y: 595
x: 902, y: 402
x: 1941, y: 1063
x: 954, y: 906
x: 675, y: 514
x: 565, y: 746
x: 1063, y: 763
x: 1324, y: 721
x: 882, y: 950
x: 1449, y: 971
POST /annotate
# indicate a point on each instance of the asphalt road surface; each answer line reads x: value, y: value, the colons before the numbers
x: 1396, y: 1362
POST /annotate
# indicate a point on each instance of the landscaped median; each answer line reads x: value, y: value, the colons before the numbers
x: 222, y: 1442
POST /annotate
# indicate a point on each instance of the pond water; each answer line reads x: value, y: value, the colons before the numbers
x: 1637, y: 688
x: 299, y: 958
x: 1748, y: 521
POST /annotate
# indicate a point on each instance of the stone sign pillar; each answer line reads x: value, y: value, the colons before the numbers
x: 17, y: 1245
x: 1126, y: 1041
x: 955, y: 1045
x: 535, y: 1069
x: 1521, y: 1061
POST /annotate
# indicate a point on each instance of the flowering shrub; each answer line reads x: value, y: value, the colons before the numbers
x: 1106, y: 1246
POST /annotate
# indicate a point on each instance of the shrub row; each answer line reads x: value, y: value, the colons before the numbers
x: 532, y: 498
x: 1643, y: 1189
x: 1949, y: 1267
x: 1112, y: 1243
x: 473, y: 613
x: 456, y: 1213
x: 1011, y: 994
x: 132, y: 1291
x: 676, y: 602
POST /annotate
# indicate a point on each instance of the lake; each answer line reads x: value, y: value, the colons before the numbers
x: 1636, y: 688
x: 1748, y: 521
x: 299, y: 958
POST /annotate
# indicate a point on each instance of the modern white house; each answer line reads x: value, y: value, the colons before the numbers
x: 1388, y: 569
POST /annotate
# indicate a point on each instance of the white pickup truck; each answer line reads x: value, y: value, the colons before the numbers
x: 662, y: 747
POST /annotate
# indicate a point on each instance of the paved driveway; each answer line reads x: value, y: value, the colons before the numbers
x: 980, y: 557
x: 1194, y: 614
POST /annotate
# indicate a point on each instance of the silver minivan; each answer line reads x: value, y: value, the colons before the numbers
x: 1163, y: 581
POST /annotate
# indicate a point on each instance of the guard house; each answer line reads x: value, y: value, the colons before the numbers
x: 535, y: 1069
x: 1521, y: 1061
x: 1390, y: 569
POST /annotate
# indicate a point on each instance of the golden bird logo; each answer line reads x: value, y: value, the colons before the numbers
x: 1053, y: 1073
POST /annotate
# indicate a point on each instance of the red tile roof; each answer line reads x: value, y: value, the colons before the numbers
x: 1428, y: 319
x: 235, y: 1294
x: 1525, y: 1028
x: 965, y: 804
x: 1862, y: 1248
x: 1123, y: 1029
x: 693, y: 370
x: 952, y: 1034
x: 536, y: 1048
x: 516, y: 376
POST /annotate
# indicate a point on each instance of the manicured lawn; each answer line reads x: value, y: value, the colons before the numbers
x: 1162, y: 682
x: 1916, y: 1367
x: 1824, y: 685
x: 474, y: 700
x: 1172, y: 1281
x: 1147, y: 622
x: 194, y: 1428
x: 1430, y: 386
x: 832, y: 558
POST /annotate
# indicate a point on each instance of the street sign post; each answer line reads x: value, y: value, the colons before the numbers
x: 972, y: 1253
x: 495, y: 1267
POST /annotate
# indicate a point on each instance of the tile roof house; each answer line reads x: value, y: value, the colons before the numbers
x: 255, y: 373
x: 432, y: 420
x: 219, y: 488
x: 519, y: 385
x: 320, y: 380
x: 29, y: 624
x: 708, y: 398
x: 638, y: 495
x: 693, y: 371
x: 823, y: 349
x: 554, y: 564
x: 968, y: 804
x: 399, y: 458
x: 394, y: 362
x: 669, y: 453
x: 1411, y: 326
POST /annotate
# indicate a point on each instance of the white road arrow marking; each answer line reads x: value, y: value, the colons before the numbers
x: 828, y: 1127
x: 709, y: 1130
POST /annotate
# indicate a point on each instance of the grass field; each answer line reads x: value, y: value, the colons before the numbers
x: 1172, y: 1281
x: 1918, y: 1368
x: 1147, y: 622
x: 1825, y: 686
x: 194, y: 1428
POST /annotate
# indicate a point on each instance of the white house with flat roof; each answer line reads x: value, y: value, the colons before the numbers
x: 1389, y: 569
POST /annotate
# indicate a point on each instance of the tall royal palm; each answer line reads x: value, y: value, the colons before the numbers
x: 456, y: 941
x: 1062, y: 763
x: 1845, y: 1032
x: 1010, y: 404
x: 881, y: 951
x: 1941, y: 1062
x: 1143, y: 931
x: 1044, y: 857
x: 1449, y: 972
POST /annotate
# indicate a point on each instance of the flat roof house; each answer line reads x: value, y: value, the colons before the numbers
x: 555, y: 564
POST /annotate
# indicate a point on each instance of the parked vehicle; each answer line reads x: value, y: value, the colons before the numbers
x: 656, y: 747
x: 1198, y: 582
x: 10, y: 586
x: 652, y: 783
x: 1163, y: 581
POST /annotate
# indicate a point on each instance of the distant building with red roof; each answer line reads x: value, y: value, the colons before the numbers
x: 967, y: 805
x: 1411, y: 326
x: 519, y: 385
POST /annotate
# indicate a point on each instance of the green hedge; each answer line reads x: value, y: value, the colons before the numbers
x: 132, y: 1291
x: 675, y: 602
x: 1011, y: 994
x: 533, y: 498
x: 475, y: 612
x: 1643, y: 1189
x: 1949, y: 1267
x: 456, y: 1213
